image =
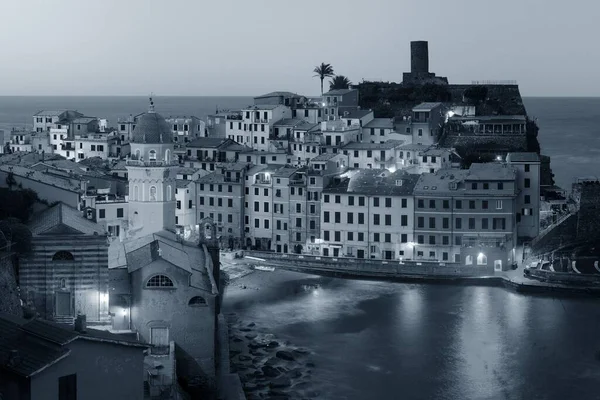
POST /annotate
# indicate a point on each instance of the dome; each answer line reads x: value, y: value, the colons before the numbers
x: 152, y: 128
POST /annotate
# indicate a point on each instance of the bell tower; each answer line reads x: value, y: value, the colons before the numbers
x: 150, y: 169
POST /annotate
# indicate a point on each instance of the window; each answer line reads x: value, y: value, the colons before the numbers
x: 179, y: 204
x: 298, y: 208
x: 169, y: 192
x: 481, y: 259
x: 420, y: 239
x: 445, y: 240
x: 431, y: 222
x: 350, y: 218
x: 388, y: 202
x: 67, y: 387
x: 388, y: 238
x: 326, y: 198
x: 498, y: 204
x: 527, y: 199
x: 152, y: 155
x: 474, y: 185
x: 152, y: 193
x: 190, y: 203
x: 420, y: 203
x: 337, y: 236
x: 484, y: 223
x: 500, y: 185
x: 102, y: 213
x: 486, y: 186
x: 361, y: 236
x: 326, y: 235
x: 404, y: 220
x: 63, y: 255
x: 445, y: 223
x: 376, y: 237
x: 197, y: 301
x: 420, y: 222
x: 404, y: 203
x: 337, y: 217
x: 526, y: 167
x: 527, y: 182
x: 388, y: 219
x: 160, y: 281
x: 119, y: 213
x: 338, y: 199
x: 229, y: 202
x: 459, y: 204
x: 471, y: 204
x: 375, y: 219
x: 350, y: 236
x: 326, y: 216
x: 361, y: 218
x: 471, y: 223
x: 484, y: 204
x: 458, y: 223
x: 159, y: 338
x: 469, y: 260
x: 432, y: 239
x: 375, y: 201
x: 361, y: 201
x: 446, y: 204
x: 431, y: 203
x: 298, y: 222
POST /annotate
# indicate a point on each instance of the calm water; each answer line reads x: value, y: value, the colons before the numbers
x: 375, y: 340
x: 570, y: 127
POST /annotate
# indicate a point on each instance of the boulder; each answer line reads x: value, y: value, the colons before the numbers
x: 273, y: 344
x: 285, y: 355
x: 272, y: 361
x: 270, y: 371
x: 250, y: 336
x: 281, y: 382
x: 243, y: 357
x: 295, y: 373
x: 310, y: 365
x: 251, y: 324
x: 245, y: 330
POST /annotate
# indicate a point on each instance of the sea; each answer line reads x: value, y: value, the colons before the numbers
x: 569, y: 127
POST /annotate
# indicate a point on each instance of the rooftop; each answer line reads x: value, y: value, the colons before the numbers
x: 339, y: 92
x: 262, y: 107
x: 84, y: 120
x: 49, y: 113
x: 426, y: 106
x: 306, y: 126
x: 381, y: 123
x: 488, y: 118
x: 278, y: 94
x: 182, y: 183
x: 63, y: 219
x: 289, y: 122
x: 152, y: 128
x: 490, y: 172
x: 66, y: 183
x: 522, y: 157
x: 355, y: 114
x: 208, y: 142
x: 378, y: 182
x: 325, y: 157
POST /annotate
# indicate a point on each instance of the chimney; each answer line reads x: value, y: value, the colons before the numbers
x: 81, y: 324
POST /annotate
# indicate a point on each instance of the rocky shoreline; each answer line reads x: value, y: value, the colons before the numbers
x: 269, y: 368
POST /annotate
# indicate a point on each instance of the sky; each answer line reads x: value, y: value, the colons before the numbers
x: 246, y: 48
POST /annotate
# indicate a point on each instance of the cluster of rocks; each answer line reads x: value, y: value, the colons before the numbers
x: 268, y: 368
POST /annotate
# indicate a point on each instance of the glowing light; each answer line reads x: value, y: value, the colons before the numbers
x: 392, y: 169
x: 481, y: 255
x: 450, y: 114
x: 104, y: 297
x: 323, y: 104
x: 124, y: 312
x: 499, y: 158
x: 411, y: 244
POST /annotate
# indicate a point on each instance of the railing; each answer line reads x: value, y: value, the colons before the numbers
x: 495, y: 82
x: 152, y: 163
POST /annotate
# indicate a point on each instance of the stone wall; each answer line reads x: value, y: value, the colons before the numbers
x: 562, y: 234
x: 488, y: 143
x: 372, y: 268
x: 588, y: 219
x: 565, y: 278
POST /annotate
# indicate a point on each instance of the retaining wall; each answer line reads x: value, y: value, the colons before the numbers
x: 565, y: 278
x: 561, y: 234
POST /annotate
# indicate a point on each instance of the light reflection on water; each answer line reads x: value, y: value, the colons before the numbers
x: 376, y: 339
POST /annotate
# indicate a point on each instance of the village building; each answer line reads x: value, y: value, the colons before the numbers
x: 527, y: 166
x: 336, y: 102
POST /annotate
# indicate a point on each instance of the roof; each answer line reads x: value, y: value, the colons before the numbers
x: 426, y: 106
x: 389, y: 144
x: 84, y: 120
x: 285, y: 171
x: 355, y: 114
x: 288, y: 122
x: 278, y: 94
x: 36, y: 344
x: 208, y: 142
x: 522, y: 157
x: 186, y: 170
x: 490, y: 172
x: 63, y: 219
x: 49, y: 113
x: 213, y: 177
x: 262, y: 107
x: 339, y: 92
x: 325, y: 157
x: 494, y: 118
x: 373, y: 182
x: 66, y: 183
x: 182, y: 183
x: 306, y: 126
x: 381, y: 123
x: 152, y: 128
x: 119, y: 166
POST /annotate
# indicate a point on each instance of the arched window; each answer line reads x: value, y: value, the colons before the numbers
x: 167, y: 155
x: 160, y: 281
x: 169, y: 192
x: 469, y: 260
x: 152, y: 193
x: 481, y: 259
x: 63, y: 255
x: 136, y: 190
x: 197, y: 301
x: 152, y: 155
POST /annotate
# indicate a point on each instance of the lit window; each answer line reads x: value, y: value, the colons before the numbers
x: 469, y: 260
x: 481, y: 259
x: 160, y: 281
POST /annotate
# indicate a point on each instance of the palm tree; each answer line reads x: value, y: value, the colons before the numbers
x: 323, y: 71
x: 339, y: 82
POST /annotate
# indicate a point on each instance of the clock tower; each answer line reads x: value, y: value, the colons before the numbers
x: 151, y: 173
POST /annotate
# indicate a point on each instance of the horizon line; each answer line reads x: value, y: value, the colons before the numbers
x: 238, y: 95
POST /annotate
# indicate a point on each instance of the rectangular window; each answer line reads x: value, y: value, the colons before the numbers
x: 67, y: 387
x: 361, y: 201
x: 486, y: 186
x: 375, y: 219
x: 229, y: 202
x: 527, y: 182
x: 350, y: 218
x: 420, y: 239
x: 500, y: 185
x: 338, y: 199
x: 102, y: 213
x: 361, y: 236
x: 326, y: 198
x: 458, y: 223
x: 420, y: 222
x: 361, y: 218
x: 326, y: 216
x: 474, y: 185
x: 431, y: 203
x: 388, y: 202
x: 404, y: 220
x: 375, y: 201
x: 337, y: 236
x: 350, y: 236
x: 445, y: 223
x: 484, y: 223
x: 326, y: 235
x: 337, y: 217
x: 388, y: 219
x: 445, y: 240
x: 388, y: 238
x: 404, y: 203
x: 298, y: 222
x: 498, y: 204
x: 484, y: 204
x: 446, y: 204
x: 431, y: 239
x: 190, y: 203
x: 350, y: 200
x: 459, y: 204
x: 526, y: 167
x: 458, y: 240
x: 527, y: 199
x: 266, y: 224
x: 404, y: 238
x: 431, y: 222
x: 420, y: 203
x: 298, y: 208
x: 471, y: 223
x: 376, y: 237
x: 256, y: 206
x: 256, y: 223
x: 471, y: 204
x: 119, y: 213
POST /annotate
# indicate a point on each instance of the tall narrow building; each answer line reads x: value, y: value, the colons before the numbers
x: 151, y: 176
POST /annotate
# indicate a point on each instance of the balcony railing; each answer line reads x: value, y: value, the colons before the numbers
x: 150, y: 163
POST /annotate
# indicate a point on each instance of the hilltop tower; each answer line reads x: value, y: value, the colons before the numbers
x: 150, y: 168
x: 419, y: 66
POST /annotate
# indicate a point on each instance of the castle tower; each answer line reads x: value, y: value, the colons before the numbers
x: 419, y: 57
x: 151, y: 176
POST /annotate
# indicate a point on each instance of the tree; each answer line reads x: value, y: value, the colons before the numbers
x: 323, y: 71
x: 17, y: 204
x: 339, y: 82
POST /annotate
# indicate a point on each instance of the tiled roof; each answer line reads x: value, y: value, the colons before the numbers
x: 324, y: 157
x: 285, y: 172
x: 65, y: 215
x: 70, y: 184
x: 213, y: 177
x: 522, y: 157
x: 380, y: 123
x: 182, y: 183
x: 84, y: 120
x: 374, y: 182
x: 306, y: 126
x: 426, y: 106
x: 490, y: 171
x: 289, y: 122
x: 338, y: 92
x: 208, y: 142
x: 262, y: 107
x: 186, y: 170
x: 152, y: 128
x: 119, y: 166
x: 49, y: 113
x: 490, y: 118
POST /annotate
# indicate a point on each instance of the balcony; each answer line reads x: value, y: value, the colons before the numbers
x: 297, y: 182
x: 134, y: 161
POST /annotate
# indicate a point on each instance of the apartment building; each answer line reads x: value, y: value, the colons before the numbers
x: 372, y: 155
x: 287, y: 99
x: 356, y: 117
x: 126, y: 126
x: 224, y: 124
x: 273, y: 156
x: 467, y: 216
x: 424, y: 123
x: 256, y: 128
x: 185, y: 129
x: 335, y: 102
x: 95, y: 144
x: 310, y: 112
x: 378, y: 130
x: 527, y: 166
x: 20, y: 141
x: 205, y: 152
x: 45, y: 120
x: 220, y: 196
x: 108, y: 210
x: 368, y: 213
x: 420, y: 159
x: 337, y: 133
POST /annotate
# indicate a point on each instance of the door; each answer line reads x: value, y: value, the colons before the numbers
x: 360, y: 253
x: 159, y: 337
x: 498, y: 265
x: 63, y: 303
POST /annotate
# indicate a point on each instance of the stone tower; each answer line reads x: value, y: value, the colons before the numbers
x: 150, y: 168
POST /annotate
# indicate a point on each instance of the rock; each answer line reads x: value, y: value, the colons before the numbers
x: 301, y: 385
x: 285, y: 355
x: 281, y: 382
x: 283, y: 369
x: 249, y: 386
x: 258, y: 374
x: 251, y: 324
x: 233, y: 353
x: 251, y: 336
x: 295, y: 373
x: 273, y: 344
x: 255, y: 345
x: 257, y: 352
x: 272, y: 361
x: 310, y: 365
x: 270, y: 371
x: 237, y: 340
x: 245, y: 330
x: 243, y: 357
x: 313, y: 394
x: 300, y: 351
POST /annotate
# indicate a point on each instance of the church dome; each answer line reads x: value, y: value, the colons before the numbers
x: 152, y: 128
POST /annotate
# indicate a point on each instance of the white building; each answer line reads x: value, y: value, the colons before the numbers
x: 257, y: 124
